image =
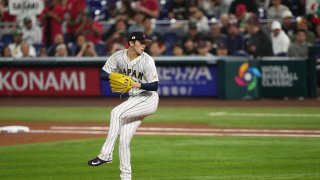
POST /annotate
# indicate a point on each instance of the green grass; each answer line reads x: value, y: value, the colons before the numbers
x: 197, y: 115
x: 166, y: 158
x: 162, y: 158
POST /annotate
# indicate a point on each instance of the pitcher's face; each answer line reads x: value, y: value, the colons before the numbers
x: 139, y: 47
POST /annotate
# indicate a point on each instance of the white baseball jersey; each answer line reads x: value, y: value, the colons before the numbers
x: 141, y: 69
x: 127, y: 116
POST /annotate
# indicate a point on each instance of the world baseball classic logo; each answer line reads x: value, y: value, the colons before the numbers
x: 247, y: 76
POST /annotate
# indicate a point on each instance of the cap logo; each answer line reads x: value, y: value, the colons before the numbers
x: 133, y: 37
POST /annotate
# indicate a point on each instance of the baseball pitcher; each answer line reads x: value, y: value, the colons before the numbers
x: 133, y: 71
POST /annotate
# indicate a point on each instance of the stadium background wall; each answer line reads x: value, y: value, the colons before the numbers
x: 183, y: 76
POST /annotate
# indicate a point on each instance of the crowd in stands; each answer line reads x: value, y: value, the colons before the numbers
x: 89, y: 28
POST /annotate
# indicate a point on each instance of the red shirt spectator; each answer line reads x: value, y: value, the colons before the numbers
x: 74, y: 8
x: 4, y: 13
x: 52, y: 18
x: 91, y: 29
x: 149, y: 7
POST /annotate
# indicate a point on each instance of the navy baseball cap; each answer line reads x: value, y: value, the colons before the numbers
x: 138, y: 35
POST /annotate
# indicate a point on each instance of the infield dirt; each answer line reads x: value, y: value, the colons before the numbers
x: 46, y: 131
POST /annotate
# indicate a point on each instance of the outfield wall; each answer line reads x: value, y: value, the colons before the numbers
x: 192, y: 76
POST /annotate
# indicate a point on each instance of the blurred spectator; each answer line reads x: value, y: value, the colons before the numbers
x: 215, y: 33
x: 189, y: 46
x: 84, y: 48
x: 215, y: 36
x: 91, y: 29
x: 61, y: 50
x: 7, y: 23
x: 15, y: 48
x: 112, y: 48
x: 214, y: 8
x: 179, y: 10
x: 148, y: 7
x: 297, y: 7
x: 112, y: 11
x: 276, y: 10
x: 300, y: 47
x: 263, y: 3
x: 203, y: 48
x: 224, y: 21
x: 302, y: 23
x: 259, y: 42
x: 25, y: 50
x: 177, y: 50
x: 250, y: 5
x: 32, y: 33
x: 288, y: 26
x: 222, y: 50
x: 243, y: 15
x: 81, y: 42
x: 87, y: 50
x: 5, y: 17
x: 315, y: 12
x: 34, y: 19
x: 311, y: 6
x: 125, y: 7
x: 156, y: 49
x: 234, y: 41
x: 43, y: 52
x: 192, y: 32
x: 119, y: 27
x: 317, y: 30
x: 137, y: 22
x: 5, y: 52
x: 150, y: 30
x: 74, y: 8
x: 197, y: 16
x: 51, y: 19
x: 117, y: 39
x: 58, y: 39
x: 280, y: 40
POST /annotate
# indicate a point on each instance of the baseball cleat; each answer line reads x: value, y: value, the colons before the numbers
x: 97, y: 162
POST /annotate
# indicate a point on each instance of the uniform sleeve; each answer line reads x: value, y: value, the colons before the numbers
x: 110, y: 66
x: 151, y: 71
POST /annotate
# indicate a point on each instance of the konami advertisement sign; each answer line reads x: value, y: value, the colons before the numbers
x: 49, y: 81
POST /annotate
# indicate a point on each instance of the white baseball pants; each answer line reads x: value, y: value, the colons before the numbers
x: 125, y: 119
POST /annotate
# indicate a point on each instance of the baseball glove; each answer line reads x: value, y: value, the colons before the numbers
x: 120, y: 83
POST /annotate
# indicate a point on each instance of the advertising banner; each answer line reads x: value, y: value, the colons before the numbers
x: 238, y: 79
x: 283, y: 78
x: 49, y: 81
x: 175, y: 81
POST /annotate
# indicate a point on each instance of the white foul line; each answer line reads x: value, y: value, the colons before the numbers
x: 151, y: 133
x: 166, y: 129
x: 264, y: 115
